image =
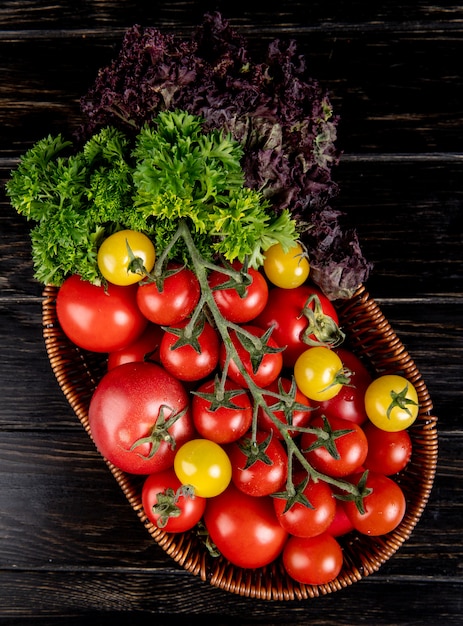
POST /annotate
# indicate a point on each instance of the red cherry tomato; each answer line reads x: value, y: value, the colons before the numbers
x: 170, y: 505
x: 312, y: 518
x: 234, y: 306
x: 267, y: 371
x: 145, y: 348
x: 260, y: 473
x: 244, y: 528
x: 341, y: 524
x: 99, y: 319
x: 138, y: 415
x: 349, y: 451
x: 189, y: 362
x: 225, y: 423
x: 313, y: 560
x: 293, y: 414
x: 175, y: 302
x: 388, y: 452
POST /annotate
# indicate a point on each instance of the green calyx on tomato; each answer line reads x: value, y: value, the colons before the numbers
x: 160, y: 431
x: 326, y: 438
x: 322, y: 330
x: 400, y: 399
x: 166, y: 505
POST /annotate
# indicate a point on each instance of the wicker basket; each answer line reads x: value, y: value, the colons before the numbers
x: 372, y: 338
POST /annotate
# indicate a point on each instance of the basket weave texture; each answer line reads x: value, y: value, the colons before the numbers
x: 371, y: 337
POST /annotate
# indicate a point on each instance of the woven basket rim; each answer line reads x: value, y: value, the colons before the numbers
x: 372, y: 338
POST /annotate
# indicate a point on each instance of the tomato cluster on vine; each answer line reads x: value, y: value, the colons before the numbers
x: 232, y: 391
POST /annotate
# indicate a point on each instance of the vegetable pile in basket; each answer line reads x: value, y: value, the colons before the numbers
x: 188, y: 231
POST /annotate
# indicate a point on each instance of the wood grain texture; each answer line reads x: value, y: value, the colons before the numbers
x: 71, y: 549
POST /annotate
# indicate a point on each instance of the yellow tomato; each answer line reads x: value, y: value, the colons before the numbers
x: 286, y: 269
x: 205, y: 465
x: 117, y: 253
x: 319, y: 373
x: 391, y: 402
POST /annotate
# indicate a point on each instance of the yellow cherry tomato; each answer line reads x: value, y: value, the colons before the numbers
x: 391, y: 402
x: 117, y: 253
x: 205, y: 465
x: 286, y: 269
x: 320, y: 374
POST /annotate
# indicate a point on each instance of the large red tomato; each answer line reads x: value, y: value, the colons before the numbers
x: 139, y: 415
x: 99, y: 319
x: 244, y: 528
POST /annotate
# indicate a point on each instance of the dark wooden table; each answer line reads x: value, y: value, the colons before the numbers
x: 71, y: 549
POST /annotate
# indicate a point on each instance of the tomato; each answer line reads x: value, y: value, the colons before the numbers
x: 125, y: 257
x: 313, y: 560
x: 138, y: 415
x: 349, y: 403
x: 341, y: 454
x: 310, y: 518
x: 319, y: 373
x: 191, y: 361
x: 388, y: 452
x: 391, y: 402
x: 266, y: 371
x: 286, y: 269
x: 244, y: 529
x: 301, y: 317
x: 221, y: 421
x: 170, y: 505
x: 96, y: 318
x: 243, y: 304
x: 341, y: 524
x: 144, y: 348
x: 295, y: 410
x: 258, y: 469
x: 384, y: 506
x: 176, y: 300
x: 204, y: 465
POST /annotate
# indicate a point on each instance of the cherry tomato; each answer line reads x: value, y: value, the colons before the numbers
x: 96, y: 318
x: 235, y: 306
x: 258, y: 469
x: 175, y: 302
x: 341, y: 454
x: 319, y: 373
x: 296, y: 411
x: 117, y: 253
x: 349, y: 403
x: 268, y: 369
x: 244, y: 528
x: 310, y: 518
x: 391, y: 402
x: 384, y: 506
x: 170, y: 505
x: 192, y: 361
x: 145, y: 348
x: 138, y: 416
x: 286, y: 269
x: 313, y: 560
x: 341, y: 524
x: 225, y: 422
x: 388, y: 452
x: 301, y: 318
x: 204, y: 465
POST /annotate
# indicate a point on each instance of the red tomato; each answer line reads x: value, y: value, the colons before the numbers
x: 187, y: 362
x: 169, y: 505
x: 299, y: 316
x: 349, y: 403
x: 268, y: 369
x: 262, y: 474
x: 225, y: 423
x: 145, y: 348
x: 289, y: 414
x: 234, y: 306
x: 341, y: 524
x: 384, y: 506
x: 138, y: 416
x: 352, y: 447
x: 312, y: 518
x: 244, y: 529
x: 96, y: 318
x: 313, y: 560
x: 388, y: 452
x: 177, y: 300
